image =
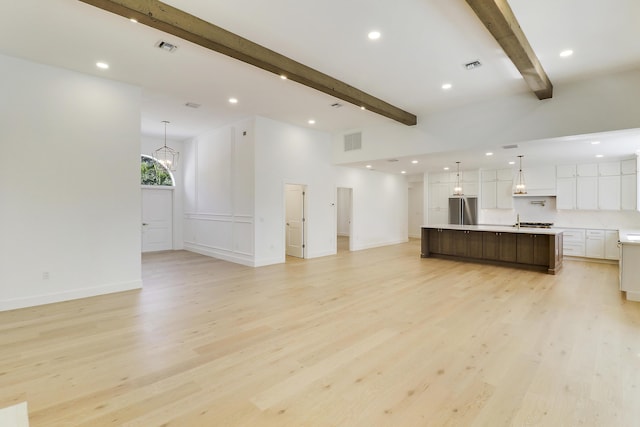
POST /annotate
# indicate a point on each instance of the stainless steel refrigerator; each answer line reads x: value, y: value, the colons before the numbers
x: 463, y: 210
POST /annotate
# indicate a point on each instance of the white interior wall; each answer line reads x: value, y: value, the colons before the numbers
x: 379, y: 207
x: 416, y: 207
x: 219, y: 193
x: 147, y: 146
x: 71, y: 205
x: 599, y: 104
x: 222, y: 186
x: 287, y: 154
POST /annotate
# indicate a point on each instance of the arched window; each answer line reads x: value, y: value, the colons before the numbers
x: 153, y: 172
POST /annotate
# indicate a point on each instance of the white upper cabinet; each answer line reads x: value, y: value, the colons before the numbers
x: 609, y: 169
x: 566, y: 171
x: 587, y: 192
x: 609, y: 193
x: 590, y: 169
x: 439, y: 178
x: 496, y: 189
x: 504, y: 174
x: 540, y: 181
x: 566, y: 193
x: 628, y: 167
x: 598, y: 186
x: 629, y: 192
x: 488, y: 175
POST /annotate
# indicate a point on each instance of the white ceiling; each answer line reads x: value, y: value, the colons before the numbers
x: 424, y: 44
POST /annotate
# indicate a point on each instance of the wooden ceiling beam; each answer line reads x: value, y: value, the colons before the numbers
x: 499, y: 19
x: 188, y: 27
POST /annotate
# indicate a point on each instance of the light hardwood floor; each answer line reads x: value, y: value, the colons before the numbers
x: 368, y: 338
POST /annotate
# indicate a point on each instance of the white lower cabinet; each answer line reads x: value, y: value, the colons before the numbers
x: 594, y: 243
x: 591, y: 243
x: 573, y: 242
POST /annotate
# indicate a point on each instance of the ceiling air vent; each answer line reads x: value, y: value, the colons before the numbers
x: 353, y: 141
x: 167, y: 46
x: 192, y: 105
x: 473, y: 64
x: 509, y: 147
x: 336, y: 105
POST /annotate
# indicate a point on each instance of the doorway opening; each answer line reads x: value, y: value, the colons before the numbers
x: 295, y: 233
x: 344, y: 214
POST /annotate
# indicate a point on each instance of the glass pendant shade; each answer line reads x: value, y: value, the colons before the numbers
x: 166, y: 156
x: 521, y: 188
x: 457, y: 190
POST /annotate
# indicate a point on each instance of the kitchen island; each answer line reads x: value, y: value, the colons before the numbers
x: 531, y: 248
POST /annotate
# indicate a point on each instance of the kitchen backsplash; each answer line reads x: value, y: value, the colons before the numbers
x: 536, y: 212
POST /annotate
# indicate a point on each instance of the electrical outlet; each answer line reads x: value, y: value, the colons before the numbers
x: 45, y: 275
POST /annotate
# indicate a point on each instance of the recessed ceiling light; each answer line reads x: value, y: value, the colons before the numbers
x: 134, y: 20
x: 595, y: 142
x: 362, y: 107
x: 102, y: 65
x: 403, y: 172
x: 446, y: 168
x: 368, y: 166
x: 566, y: 53
x: 233, y: 100
x: 414, y: 161
x: 512, y: 163
x: 374, y: 35
x: 311, y: 122
x: 599, y: 155
x: 283, y: 77
x: 447, y: 86
x: 488, y: 154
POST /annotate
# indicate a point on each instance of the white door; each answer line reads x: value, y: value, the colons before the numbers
x: 294, y: 202
x: 157, y: 219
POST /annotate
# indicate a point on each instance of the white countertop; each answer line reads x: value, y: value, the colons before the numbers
x: 627, y: 236
x: 497, y: 229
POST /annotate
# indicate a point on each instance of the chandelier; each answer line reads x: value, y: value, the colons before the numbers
x: 166, y: 156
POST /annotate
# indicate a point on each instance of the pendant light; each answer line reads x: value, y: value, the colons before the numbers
x: 457, y: 190
x: 166, y: 156
x: 520, y: 186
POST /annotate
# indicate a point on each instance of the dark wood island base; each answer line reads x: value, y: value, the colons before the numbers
x: 535, y: 249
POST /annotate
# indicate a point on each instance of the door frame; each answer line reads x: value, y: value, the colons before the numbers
x: 350, y: 207
x: 305, y: 190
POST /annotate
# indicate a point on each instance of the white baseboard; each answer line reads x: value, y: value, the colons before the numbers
x: 220, y: 254
x: 16, y: 303
x: 377, y: 245
x: 321, y: 254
